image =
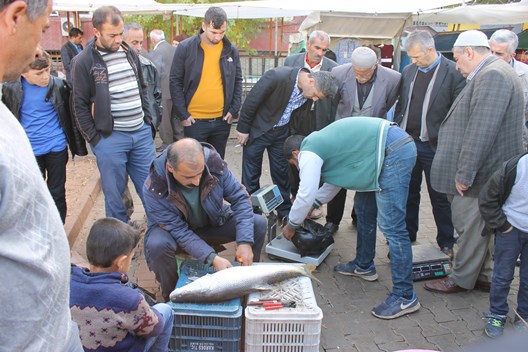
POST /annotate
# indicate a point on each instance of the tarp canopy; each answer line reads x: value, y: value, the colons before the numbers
x: 125, y: 6
x: 479, y: 14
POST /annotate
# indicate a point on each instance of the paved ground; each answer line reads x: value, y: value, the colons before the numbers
x: 444, y: 323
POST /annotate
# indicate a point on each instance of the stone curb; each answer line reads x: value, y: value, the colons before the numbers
x: 79, y: 212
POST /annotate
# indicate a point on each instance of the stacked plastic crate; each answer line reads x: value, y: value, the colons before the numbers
x: 205, y: 327
x: 295, y: 329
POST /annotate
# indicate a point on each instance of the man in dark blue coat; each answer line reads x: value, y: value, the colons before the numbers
x: 184, y: 200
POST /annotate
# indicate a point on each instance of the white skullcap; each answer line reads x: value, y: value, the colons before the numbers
x: 364, y: 57
x: 472, y: 38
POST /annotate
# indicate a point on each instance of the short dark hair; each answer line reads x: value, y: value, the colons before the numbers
x: 215, y: 16
x: 292, y: 143
x: 108, y: 239
x: 35, y: 8
x: 40, y: 62
x: 106, y: 14
x: 74, y: 32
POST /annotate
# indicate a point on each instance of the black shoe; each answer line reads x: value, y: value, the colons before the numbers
x: 331, y: 227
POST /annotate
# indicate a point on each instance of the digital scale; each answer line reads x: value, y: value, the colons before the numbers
x: 429, y: 262
x: 268, y: 198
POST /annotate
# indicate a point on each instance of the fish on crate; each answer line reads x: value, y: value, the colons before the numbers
x: 238, y: 281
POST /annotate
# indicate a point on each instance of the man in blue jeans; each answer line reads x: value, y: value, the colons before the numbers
x: 111, y: 108
x: 374, y: 155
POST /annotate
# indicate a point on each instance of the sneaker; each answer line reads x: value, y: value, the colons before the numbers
x: 495, y: 325
x: 396, y: 306
x: 352, y: 269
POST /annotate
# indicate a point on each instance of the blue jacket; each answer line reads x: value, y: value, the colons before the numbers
x: 166, y: 207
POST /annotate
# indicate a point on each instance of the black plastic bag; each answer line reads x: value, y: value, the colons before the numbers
x: 312, y: 238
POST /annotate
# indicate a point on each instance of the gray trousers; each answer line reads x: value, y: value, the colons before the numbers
x: 473, y: 258
x: 170, y: 128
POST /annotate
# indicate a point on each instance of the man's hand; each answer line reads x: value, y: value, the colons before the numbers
x: 229, y: 118
x: 188, y: 121
x: 244, y: 254
x: 288, y: 232
x: 242, y: 138
x: 220, y: 263
x: 461, y: 188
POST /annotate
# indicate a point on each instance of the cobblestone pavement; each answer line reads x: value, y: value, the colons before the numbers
x: 444, y: 323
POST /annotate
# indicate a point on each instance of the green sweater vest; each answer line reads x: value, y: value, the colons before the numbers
x: 352, y: 150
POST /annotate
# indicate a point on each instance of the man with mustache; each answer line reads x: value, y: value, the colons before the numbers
x: 184, y: 202
x: 110, y: 107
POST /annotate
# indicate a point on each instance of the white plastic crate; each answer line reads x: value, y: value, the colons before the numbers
x: 287, y: 329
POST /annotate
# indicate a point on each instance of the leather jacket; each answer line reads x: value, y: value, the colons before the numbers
x: 59, y: 94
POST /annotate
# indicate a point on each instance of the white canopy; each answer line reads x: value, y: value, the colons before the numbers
x: 288, y: 8
x: 125, y: 6
x: 479, y: 14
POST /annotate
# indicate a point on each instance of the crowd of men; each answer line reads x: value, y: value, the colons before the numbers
x: 324, y: 127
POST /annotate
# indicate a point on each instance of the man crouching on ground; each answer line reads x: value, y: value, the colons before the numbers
x: 184, y: 201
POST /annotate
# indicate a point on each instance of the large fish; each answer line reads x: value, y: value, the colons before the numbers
x: 238, y: 281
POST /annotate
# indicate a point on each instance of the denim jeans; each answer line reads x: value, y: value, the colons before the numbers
x: 367, y: 211
x: 160, y: 343
x: 161, y: 248
x: 391, y: 204
x: 118, y: 154
x: 508, y: 246
x: 273, y: 142
x: 212, y: 131
x: 439, y: 202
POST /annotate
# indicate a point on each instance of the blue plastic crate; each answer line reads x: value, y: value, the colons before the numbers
x: 207, y: 326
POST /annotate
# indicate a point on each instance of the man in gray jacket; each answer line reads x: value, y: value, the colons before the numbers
x: 170, y: 129
x: 482, y: 129
x: 366, y: 88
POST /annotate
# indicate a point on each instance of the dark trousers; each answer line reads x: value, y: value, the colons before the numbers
x: 160, y: 248
x: 170, y: 127
x: 273, y: 142
x: 336, y: 207
x: 53, y: 168
x: 508, y: 246
x: 212, y: 131
x: 439, y: 202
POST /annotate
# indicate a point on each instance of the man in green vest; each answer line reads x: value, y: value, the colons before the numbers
x: 363, y: 154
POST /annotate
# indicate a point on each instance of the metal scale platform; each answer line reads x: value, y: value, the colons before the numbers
x: 268, y: 198
x: 429, y: 262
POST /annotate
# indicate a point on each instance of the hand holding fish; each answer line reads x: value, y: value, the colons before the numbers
x: 288, y: 232
x: 244, y: 254
x: 220, y: 263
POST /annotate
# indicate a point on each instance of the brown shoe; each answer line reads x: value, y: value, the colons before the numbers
x: 449, y: 252
x: 482, y: 286
x: 445, y: 285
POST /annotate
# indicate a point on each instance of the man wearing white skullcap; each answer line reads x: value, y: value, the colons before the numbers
x: 365, y: 89
x: 481, y: 131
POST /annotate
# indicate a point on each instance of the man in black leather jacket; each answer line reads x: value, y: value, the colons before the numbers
x: 41, y: 103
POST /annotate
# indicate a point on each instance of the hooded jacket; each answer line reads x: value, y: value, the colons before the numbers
x: 166, y: 207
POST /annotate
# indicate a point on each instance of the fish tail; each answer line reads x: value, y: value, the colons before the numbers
x: 308, y: 269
